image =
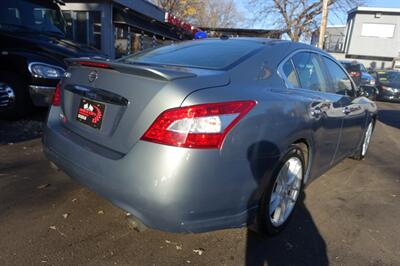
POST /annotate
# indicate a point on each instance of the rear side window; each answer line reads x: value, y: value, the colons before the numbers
x: 310, y: 71
x: 340, y: 80
x: 210, y: 54
x: 290, y: 74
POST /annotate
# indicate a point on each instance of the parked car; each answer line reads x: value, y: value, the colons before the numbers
x: 209, y: 134
x: 361, y: 77
x: 388, y: 84
x: 32, y: 52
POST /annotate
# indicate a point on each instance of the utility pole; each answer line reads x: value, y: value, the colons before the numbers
x: 324, y: 20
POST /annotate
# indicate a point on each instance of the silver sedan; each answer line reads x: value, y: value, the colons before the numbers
x: 209, y: 134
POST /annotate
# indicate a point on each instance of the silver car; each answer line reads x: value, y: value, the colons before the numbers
x: 209, y: 134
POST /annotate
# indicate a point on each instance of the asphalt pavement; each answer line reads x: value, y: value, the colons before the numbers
x: 349, y: 216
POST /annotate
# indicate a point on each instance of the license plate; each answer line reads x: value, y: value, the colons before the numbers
x: 91, y: 113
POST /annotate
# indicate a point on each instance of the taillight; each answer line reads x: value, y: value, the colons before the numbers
x: 197, y: 126
x: 93, y: 64
x: 57, y: 95
x: 355, y: 74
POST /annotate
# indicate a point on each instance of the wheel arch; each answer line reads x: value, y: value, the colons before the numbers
x: 305, y: 145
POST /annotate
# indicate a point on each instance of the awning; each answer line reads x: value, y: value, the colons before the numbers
x: 131, y: 18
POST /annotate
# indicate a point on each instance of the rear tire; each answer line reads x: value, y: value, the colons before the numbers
x: 22, y: 103
x: 280, y: 198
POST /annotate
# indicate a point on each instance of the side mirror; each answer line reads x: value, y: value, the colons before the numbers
x: 361, y: 92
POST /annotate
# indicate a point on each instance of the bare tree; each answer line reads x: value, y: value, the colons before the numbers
x: 204, y: 13
x: 182, y: 8
x: 218, y: 14
x: 298, y: 18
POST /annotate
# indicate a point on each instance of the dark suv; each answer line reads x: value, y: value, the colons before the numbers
x: 32, y: 52
x: 388, y: 84
x: 361, y: 77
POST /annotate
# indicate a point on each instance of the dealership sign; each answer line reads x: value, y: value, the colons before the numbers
x: 180, y: 24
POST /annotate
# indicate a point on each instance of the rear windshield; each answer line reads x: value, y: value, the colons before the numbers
x: 209, y: 54
x: 352, y: 67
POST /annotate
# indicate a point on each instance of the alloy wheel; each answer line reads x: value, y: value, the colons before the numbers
x: 286, y: 191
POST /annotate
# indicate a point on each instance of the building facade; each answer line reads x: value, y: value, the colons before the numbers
x: 373, y: 36
x: 334, y: 38
x: 120, y: 27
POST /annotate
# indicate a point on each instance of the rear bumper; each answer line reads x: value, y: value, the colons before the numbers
x: 167, y: 188
x: 41, y: 95
x: 155, y: 215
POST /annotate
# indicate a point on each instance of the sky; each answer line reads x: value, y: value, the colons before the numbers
x: 333, y: 19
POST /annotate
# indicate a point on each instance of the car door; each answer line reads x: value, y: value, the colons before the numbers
x: 354, y: 114
x: 324, y: 110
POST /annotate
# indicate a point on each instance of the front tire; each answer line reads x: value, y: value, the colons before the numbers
x: 22, y: 104
x: 282, y: 194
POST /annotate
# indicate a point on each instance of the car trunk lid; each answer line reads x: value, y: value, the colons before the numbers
x: 113, y: 104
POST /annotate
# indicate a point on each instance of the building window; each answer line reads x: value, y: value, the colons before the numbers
x: 84, y: 27
x: 377, y: 30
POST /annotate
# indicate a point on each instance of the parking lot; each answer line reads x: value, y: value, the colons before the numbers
x: 350, y: 216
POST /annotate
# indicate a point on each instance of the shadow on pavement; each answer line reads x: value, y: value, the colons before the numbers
x: 24, y: 129
x: 299, y: 244
x: 390, y: 117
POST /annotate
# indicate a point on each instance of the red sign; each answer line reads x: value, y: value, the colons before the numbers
x: 180, y: 24
x: 91, y: 113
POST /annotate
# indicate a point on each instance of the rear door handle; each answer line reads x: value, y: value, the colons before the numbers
x: 316, y: 112
x: 320, y: 107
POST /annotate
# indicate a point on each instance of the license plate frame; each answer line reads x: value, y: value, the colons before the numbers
x: 91, y: 113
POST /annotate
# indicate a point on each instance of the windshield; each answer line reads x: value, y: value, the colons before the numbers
x: 31, y: 15
x: 209, y: 54
x: 390, y: 76
x: 363, y: 69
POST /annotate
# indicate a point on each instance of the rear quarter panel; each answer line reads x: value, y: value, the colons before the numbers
x: 252, y: 150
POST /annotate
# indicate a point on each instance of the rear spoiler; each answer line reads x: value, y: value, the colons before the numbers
x: 153, y: 72
x: 60, y: 2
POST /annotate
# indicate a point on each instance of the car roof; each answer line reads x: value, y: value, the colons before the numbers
x: 266, y: 41
x: 253, y: 39
x: 291, y: 46
x: 269, y: 43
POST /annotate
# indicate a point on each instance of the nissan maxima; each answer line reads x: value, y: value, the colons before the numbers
x: 208, y: 134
